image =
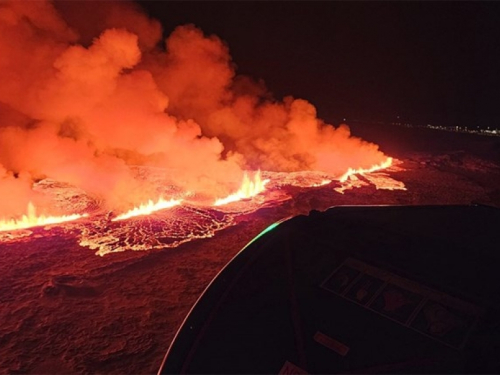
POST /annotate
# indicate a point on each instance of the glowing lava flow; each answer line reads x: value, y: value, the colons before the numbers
x: 322, y: 183
x: 32, y: 220
x: 351, y: 171
x: 247, y: 190
x: 381, y: 180
x: 148, y: 208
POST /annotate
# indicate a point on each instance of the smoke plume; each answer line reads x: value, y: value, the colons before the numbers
x: 87, y: 92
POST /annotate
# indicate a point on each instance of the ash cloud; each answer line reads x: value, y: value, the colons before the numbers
x: 89, y: 91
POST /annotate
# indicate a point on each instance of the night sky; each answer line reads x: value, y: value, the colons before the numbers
x: 428, y: 62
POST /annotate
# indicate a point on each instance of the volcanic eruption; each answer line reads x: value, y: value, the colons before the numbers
x: 106, y: 122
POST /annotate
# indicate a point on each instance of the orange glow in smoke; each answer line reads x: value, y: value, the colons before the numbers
x: 32, y: 220
x: 351, y: 171
x: 148, y: 208
x: 247, y: 190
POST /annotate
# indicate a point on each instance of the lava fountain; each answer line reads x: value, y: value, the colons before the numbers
x: 148, y: 208
x: 372, y: 175
x: 31, y: 219
x: 377, y: 167
x: 249, y: 188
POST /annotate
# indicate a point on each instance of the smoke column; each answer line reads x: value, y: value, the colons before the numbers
x: 88, y: 91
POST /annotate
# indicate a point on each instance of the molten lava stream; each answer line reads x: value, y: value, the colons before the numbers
x: 349, y: 180
x: 377, y: 167
x: 247, y: 190
x: 148, y: 208
x: 32, y: 220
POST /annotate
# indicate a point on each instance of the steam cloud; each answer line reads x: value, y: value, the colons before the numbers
x: 88, y: 91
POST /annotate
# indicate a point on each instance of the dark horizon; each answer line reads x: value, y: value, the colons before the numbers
x: 426, y: 62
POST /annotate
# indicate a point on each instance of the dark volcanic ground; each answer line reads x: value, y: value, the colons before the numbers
x: 65, y: 310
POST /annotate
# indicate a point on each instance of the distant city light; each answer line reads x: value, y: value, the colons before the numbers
x: 460, y: 129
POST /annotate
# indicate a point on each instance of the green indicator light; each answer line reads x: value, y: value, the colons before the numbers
x: 268, y: 229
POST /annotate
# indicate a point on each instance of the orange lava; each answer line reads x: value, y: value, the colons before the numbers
x: 322, y: 183
x: 148, y: 208
x: 247, y: 190
x: 372, y: 175
x: 32, y: 220
x: 351, y: 171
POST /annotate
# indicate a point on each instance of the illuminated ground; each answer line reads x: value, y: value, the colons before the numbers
x: 64, y: 309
